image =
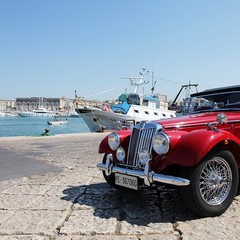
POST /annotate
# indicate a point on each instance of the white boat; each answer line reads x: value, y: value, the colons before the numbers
x: 132, y: 109
x: 57, y: 122
x: 74, y: 114
x: 7, y: 114
x: 39, y: 112
x: 2, y: 114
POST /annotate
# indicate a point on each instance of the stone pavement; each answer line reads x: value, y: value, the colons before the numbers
x: 76, y: 203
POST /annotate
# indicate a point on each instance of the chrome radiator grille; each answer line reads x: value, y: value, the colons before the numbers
x: 141, y: 139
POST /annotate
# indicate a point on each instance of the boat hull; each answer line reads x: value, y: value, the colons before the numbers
x: 33, y: 114
x: 57, y: 122
x: 40, y: 112
x: 99, y: 120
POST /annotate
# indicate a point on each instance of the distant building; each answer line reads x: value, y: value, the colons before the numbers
x: 163, y: 101
x: 54, y: 104
x: 81, y: 102
x: 7, y: 105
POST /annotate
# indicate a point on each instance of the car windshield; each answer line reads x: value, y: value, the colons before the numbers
x: 229, y: 101
x: 201, y: 104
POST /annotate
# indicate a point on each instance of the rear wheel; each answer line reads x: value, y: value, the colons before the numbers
x: 213, y: 184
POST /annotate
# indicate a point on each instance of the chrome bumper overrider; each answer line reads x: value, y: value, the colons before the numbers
x: 148, y: 176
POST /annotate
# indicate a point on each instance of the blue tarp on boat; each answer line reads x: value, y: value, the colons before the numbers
x: 121, y: 107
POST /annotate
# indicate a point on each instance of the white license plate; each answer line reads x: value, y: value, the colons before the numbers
x: 126, y: 181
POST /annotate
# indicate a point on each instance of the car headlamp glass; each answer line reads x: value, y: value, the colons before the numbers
x: 161, y: 143
x: 120, y: 154
x: 114, y: 141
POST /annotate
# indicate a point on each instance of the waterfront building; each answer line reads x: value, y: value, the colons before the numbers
x: 54, y: 104
x: 163, y: 101
x: 7, y: 105
x: 82, y: 102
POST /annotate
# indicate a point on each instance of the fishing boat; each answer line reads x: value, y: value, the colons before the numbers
x: 131, y: 109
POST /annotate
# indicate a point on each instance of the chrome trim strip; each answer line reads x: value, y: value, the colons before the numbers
x: 179, y: 126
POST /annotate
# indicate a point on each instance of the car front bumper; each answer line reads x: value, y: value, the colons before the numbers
x: 148, y: 176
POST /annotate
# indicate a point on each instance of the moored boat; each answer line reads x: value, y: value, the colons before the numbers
x: 58, y: 122
x: 131, y: 109
x: 74, y: 114
x: 7, y: 114
x: 39, y: 112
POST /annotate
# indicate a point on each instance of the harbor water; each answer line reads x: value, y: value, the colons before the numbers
x: 34, y: 126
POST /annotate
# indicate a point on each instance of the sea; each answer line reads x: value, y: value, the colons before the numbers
x: 34, y: 126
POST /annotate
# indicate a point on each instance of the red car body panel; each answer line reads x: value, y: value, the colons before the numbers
x: 125, y: 136
x: 191, y: 139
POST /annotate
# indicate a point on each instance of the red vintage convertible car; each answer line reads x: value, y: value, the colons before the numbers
x: 198, y: 152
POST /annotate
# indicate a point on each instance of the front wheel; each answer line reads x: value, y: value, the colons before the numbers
x: 213, y: 184
x: 110, y: 179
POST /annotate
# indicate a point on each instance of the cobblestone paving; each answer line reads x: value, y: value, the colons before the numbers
x: 76, y: 203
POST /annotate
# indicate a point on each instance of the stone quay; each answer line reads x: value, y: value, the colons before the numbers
x: 50, y: 188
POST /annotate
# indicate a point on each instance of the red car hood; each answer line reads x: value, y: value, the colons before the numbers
x: 195, y: 119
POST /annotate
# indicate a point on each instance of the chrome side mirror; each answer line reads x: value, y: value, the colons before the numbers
x: 222, y: 118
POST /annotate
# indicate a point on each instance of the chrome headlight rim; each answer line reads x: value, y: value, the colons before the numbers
x: 121, y: 157
x: 164, y: 146
x: 114, y: 140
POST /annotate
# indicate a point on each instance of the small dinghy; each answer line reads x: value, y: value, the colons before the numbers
x: 57, y: 122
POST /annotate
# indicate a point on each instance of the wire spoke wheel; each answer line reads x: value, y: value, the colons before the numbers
x: 213, y: 184
x: 215, y: 181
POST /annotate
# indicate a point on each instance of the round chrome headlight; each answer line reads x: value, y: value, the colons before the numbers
x: 161, y: 143
x: 120, y: 154
x: 114, y: 141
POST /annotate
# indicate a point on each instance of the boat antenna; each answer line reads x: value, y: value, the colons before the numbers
x: 153, y: 87
x: 153, y: 84
x: 137, y: 81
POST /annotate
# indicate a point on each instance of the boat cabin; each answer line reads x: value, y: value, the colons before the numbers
x: 126, y: 100
x: 150, y: 101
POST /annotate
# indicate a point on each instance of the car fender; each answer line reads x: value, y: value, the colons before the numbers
x: 124, y: 140
x: 193, y: 146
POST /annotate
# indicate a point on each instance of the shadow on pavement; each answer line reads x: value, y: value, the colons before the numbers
x: 136, y: 207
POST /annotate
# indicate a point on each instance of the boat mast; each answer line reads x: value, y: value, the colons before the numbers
x: 187, y: 88
x: 138, y: 81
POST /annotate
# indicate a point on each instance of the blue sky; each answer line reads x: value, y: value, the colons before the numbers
x: 51, y: 48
